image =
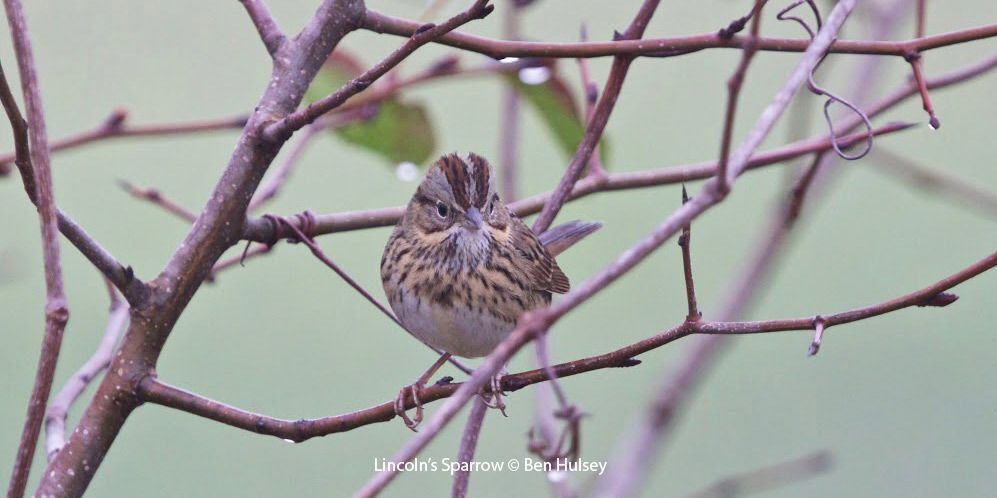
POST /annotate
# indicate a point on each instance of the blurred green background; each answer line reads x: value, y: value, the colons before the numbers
x: 907, y: 403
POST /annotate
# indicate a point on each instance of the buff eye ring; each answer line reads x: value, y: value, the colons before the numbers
x: 442, y: 210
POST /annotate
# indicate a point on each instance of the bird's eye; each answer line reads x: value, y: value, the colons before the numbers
x: 442, y: 210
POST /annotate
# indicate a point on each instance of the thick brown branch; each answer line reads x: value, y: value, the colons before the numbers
x: 381, y: 23
x: 218, y: 227
x: 58, y: 410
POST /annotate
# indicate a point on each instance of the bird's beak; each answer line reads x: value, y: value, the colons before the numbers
x: 474, y: 217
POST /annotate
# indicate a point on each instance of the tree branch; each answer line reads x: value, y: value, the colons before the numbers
x: 217, y: 228
x: 600, y: 117
x: 468, y: 443
x: 734, y: 85
x: 266, y: 26
x: 152, y: 390
x: 282, y: 129
x: 937, y: 181
x: 156, y: 197
x: 31, y: 141
x: 261, y: 230
x: 536, y: 322
x: 58, y: 410
x: 498, y: 49
x: 116, y: 126
x: 769, y: 477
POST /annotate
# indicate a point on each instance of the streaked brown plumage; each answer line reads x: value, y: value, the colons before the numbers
x: 460, y: 268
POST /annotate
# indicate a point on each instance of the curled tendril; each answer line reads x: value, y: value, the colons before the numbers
x: 816, y: 89
x: 782, y: 16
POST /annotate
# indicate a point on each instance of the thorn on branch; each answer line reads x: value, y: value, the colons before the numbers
x: 818, y: 335
x: 116, y: 119
x: 940, y: 300
x: 914, y: 59
x: 629, y: 362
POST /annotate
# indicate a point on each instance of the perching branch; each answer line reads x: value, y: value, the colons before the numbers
x: 537, y: 322
x: 154, y: 391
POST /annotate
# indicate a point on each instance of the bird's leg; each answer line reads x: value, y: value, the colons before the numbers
x: 414, y: 388
x: 493, y: 397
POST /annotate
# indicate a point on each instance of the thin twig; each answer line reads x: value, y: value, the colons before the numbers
x: 302, y: 237
x: 685, y: 241
x: 936, y: 180
x: 56, y: 307
x: 914, y: 58
x: 769, y: 477
x: 468, y: 443
x: 58, y: 410
x: 156, y: 197
x: 510, y: 120
x: 591, y: 93
x: 261, y: 230
x: 282, y: 129
x: 234, y: 261
x: 282, y: 173
x: 734, y: 85
x: 600, y: 117
x: 498, y: 49
x: 116, y: 126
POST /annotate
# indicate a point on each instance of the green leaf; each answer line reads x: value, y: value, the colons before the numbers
x: 401, y: 131
x: 558, y: 108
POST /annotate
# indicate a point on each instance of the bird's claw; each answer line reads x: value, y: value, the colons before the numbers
x: 411, y: 423
x: 493, y: 397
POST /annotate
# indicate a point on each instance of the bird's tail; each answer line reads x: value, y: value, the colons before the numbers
x: 565, y: 235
